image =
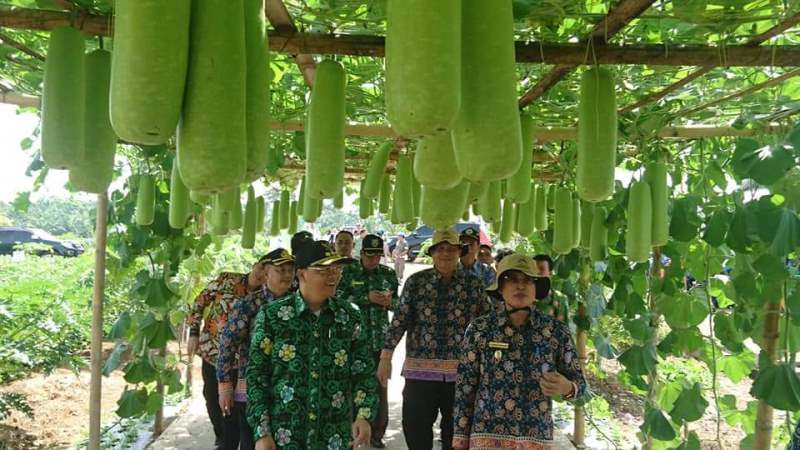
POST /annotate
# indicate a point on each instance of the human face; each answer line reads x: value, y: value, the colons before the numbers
x: 370, y: 262
x: 472, y: 250
x: 279, y: 278
x: 344, y: 245
x: 445, y: 257
x: 258, y: 275
x: 544, y: 268
x: 518, y: 290
x: 485, y: 255
x: 318, y: 284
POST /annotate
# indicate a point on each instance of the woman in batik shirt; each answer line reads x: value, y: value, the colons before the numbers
x: 515, y: 360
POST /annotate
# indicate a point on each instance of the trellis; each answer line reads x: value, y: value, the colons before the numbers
x: 593, y: 48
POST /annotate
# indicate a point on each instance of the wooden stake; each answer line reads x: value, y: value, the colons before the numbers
x: 763, y: 438
x: 579, y: 432
x: 95, y: 382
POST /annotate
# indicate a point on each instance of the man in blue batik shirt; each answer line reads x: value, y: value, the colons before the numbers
x: 470, y: 241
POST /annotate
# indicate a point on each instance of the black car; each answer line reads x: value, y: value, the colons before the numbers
x: 422, y: 234
x: 11, y: 237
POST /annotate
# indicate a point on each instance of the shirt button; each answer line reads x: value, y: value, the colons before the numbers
x: 314, y: 375
x: 312, y: 416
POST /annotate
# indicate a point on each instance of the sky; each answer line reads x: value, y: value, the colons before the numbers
x: 13, y: 129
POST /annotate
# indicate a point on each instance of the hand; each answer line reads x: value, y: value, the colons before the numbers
x: 266, y: 443
x: 361, y: 433
x: 191, y: 345
x: 225, y: 398
x: 553, y: 383
x: 376, y: 297
x: 384, y: 371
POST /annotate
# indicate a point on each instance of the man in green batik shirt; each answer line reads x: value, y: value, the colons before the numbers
x: 310, y: 376
x: 372, y: 286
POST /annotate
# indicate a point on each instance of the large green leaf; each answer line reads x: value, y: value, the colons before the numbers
x: 727, y: 332
x: 681, y: 341
x: 779, y: 386
x: 787, y: 234
x: 689, y: 405
x: 739, y: 237
x: 639, y: 360
x: 158, y: 294
x: 685, y: 219
x: 692, y: 442
x: 140, y: 371
x: 115, y: 358
x: 717, y: 228
x: 684, y: 310
x: 157, y: 332
x: 744, y: 157
x: 121, y: 326
x: 771, y: 267
x: 132, y: 403
x: 657, y: 425
x: 737, y: 367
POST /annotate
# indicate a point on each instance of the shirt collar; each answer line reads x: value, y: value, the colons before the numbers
x: 300, y: 304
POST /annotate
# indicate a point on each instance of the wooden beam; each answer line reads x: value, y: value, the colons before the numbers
x: 616, y: 19
x: 22, y: 100
x: 739, y: 94
x: 20, y: 46
x: 280, y: 18
x: 755, y: 40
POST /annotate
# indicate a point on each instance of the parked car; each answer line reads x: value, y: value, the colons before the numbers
x: 418, y: 237
x: 11, y: 237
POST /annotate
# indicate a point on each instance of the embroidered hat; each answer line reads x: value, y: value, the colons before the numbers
x: 372, y: 245
x: 277, y: 257
x: 470, y: 232
x: 527, y: 266
x: 318, y: 254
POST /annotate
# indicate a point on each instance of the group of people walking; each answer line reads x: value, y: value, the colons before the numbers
x: 297, y: 353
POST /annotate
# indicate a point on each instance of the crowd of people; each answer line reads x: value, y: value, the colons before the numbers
x: 297, y: 353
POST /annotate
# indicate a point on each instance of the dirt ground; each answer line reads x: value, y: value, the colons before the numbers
x: 60, y: 403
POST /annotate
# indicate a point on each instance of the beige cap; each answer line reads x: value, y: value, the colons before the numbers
x: 448, y: 235
x: 515, y: 261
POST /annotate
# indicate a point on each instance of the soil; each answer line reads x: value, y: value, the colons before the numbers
x: 60, y: 402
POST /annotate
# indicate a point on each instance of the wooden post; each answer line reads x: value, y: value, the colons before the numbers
x: 95, y: 382
x: 158, y: 423
x: 579, y: 432
x: 652, y: 377
x: 763, y: 438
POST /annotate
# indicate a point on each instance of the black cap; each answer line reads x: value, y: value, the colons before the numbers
x: 277, y: 257
x: 318, y: 254
x: 470, y: 232
x: 300, y: 238
x: 372, y: 244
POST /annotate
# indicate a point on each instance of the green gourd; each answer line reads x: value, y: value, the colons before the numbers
x: 518, y: 187
x: 212, y: 133
x: 587, y: 217
x: 562, y: 222
x: 491, y: 207
x: 435, y: 152
x: 576, y: 221
x: 178, y: 199
x: 656, y: 176
x: 442, y: 208
x: 235, y: 217
x: 385, y: 197
x: 376, y: 171
x: 638, y: 238
x: 507, y: 223
x: 220, y: 214
x: 63, y: 99
x: 258, y: 95
x: 145, y: 200
x: 275, y: 219
x: 201, y: 198
x: 540, y: 209
x: 599, y: 235
x: 260, y: 211
x: 423, y: 90
x: 292, y: 219
x: 526, y: 214
x: 416, y: 193
x: 597, y: 135
x: 250, y: 220
x: 363, y: 203
x: 149, y: 67
x: 338, y: 201
x: 284, y: 210
x: 325, y: 132
x: 301, y: 197
x: 403, y: 190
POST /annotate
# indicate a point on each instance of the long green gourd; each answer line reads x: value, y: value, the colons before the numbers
x: 576, y: 221
x: 599, y: 235
x: 325, y: 132
x: 363, y: 203
x: 258, y: 95
x: 518, y: 187
x: 491, y: 207
x: 235, y: 217
x: 442, y: 208
x: 587, y: 218
x: 423, y: 90
x: 94, y: 171
x: 178, y: 199
x: 145, y: 200
x: 403, y: 190
x: 487, y: 136
x: 63, y: 99
x: 540, y: 208
x: 260, y: 211
x: 562, y: 222
x: 338, y: 201
x: 284, y: 210
x: 638, y: 238
x: 416, y: 192
x: 250, y: 220
x: 507, y: 224
x: 526, y: 214
x: 212, y: 133
x: 275, y: 219
x: 376, y: 171
x: 385, y: 196
x: 597, y: 135
x: 149, y: 68
x: 433, y: 153
x: 292, y: 218
x: 220, y: 214
x: 656, y: 176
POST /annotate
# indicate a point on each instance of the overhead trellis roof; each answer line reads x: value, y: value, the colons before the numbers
x: 716, y: 95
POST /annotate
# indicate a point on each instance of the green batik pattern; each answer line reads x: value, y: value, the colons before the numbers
x: 309, y: 376
x: 355, y: 286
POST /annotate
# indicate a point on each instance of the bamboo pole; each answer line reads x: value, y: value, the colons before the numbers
x: 95, y: 382
x: 763, y: 437
x: 652, y: 377
x: 581, y: 337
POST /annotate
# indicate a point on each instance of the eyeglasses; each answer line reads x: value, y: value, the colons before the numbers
x: 330, y: 272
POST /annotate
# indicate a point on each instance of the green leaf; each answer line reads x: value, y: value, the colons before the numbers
x: 115, y: 358
x: 684, y: 310
x: 771, y: 267
x: 604, y: 347
x: 595, y: 300
x: 787, y: 234
x: 639, y: 360
x: 739, y: 236
x: 689, y: 406
x: 744, y: 157
x: 140, y: 371
x: 771, y: 165
x: 692, y: 442
x: 668, y: 393
x: 727, y: 332
x: 172, y: 379
x: 717, y: 228
x: 157, y: 332
x: 737, y: 367
x: 657, y: 425
x: 121, y: 326
x: 158, y: 294
x: 779, y: 386
x: 681, y: 341
x: 22, y: 202
x: 154, y: 402
x: 639, y: 328
x: 132, y: 403
x: 685, y: 219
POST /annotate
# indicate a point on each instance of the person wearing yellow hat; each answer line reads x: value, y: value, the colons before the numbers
x: 434, y: 310
x: 514, y: 361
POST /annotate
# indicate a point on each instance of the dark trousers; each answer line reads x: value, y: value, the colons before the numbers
x: 422, y: 402
x: 237, y: 433
x: 382, y: 419
x: 211, y: 394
